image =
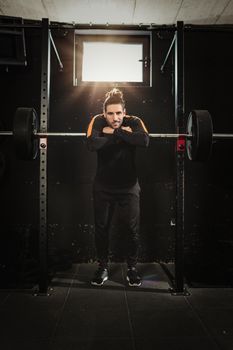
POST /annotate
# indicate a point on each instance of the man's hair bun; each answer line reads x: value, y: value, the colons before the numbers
x: 114, y: 93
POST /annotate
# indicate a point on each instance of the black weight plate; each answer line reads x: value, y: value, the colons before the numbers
x: 2, y: 128
x: 2, y: 166
x: 25, y: 142
x: 201, y: 128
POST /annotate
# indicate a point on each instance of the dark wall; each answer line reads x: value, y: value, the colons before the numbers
x: 71, y: 167
x: 209, y: 74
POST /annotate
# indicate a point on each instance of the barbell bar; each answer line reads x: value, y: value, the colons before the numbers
x: 199, y: 134
x: 78, y: 134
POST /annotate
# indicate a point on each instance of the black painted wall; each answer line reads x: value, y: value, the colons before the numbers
x: 71, y: 167
x: 209, y: 195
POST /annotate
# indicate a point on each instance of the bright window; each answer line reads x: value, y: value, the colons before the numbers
x: 119, y: 62
x: 119, y: 59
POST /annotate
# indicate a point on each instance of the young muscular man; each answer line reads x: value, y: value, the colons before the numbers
x: 115, y: 136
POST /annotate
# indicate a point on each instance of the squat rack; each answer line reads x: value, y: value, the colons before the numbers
x: 178, y: 285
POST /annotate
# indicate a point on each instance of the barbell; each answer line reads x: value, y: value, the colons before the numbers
x: 197, y: 139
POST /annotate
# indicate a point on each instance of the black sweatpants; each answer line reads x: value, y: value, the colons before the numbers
x: 105, y: 203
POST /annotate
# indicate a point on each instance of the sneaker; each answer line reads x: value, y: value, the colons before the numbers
x: 133, y: 278
x: 101, y: 275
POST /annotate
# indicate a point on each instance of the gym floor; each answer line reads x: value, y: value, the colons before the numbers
x: 115, y: 316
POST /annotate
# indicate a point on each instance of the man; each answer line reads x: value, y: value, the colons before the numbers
x: 115, y: 135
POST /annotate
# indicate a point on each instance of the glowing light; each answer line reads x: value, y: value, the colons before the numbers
x: 115, y: 62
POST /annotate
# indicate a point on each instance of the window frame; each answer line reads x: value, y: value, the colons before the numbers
x: 120, y: 36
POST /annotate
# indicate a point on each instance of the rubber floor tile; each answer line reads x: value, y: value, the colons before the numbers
x: 95, y: 299
x: 166, y: 323
x: 156, y: 300
x: 24, y: 344
x: 89, y: 324
x: 219, y: 322
x: 211, y: 297
x: 176, y: 343
x: 27, y: 325
x: 225, y: 342
x: 72, y: 343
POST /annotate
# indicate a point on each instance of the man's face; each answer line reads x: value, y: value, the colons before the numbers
x: 114, y: 115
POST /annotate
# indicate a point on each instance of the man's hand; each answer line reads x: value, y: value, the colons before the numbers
x: 108, y: 130
x: 127, y: 128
